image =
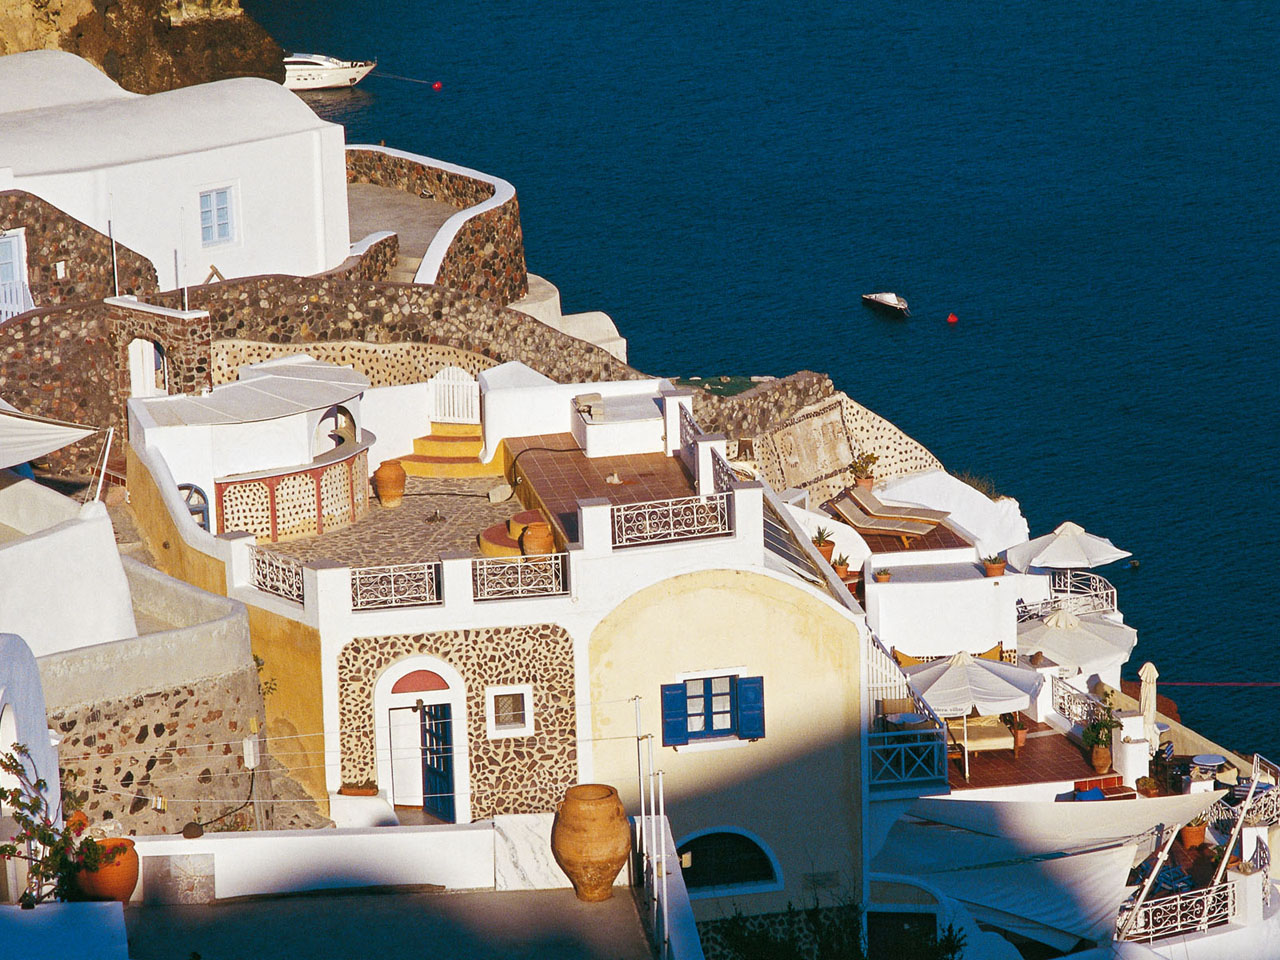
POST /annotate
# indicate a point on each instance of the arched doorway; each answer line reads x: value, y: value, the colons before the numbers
x: 148, y: 369
x: 420, y: 726
x: 336, y: 428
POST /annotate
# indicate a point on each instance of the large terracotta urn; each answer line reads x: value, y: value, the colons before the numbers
x: 1100, y: 756
x: 388, y: 483
x: 116, y: 877
x: 537, y: 539
x: 591, y: 839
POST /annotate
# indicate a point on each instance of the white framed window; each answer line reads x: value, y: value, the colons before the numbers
x: 13, y: 256
x: 508, y: 711
x: 217, y: 219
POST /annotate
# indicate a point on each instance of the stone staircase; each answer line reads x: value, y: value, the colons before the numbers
x: 450, y: 450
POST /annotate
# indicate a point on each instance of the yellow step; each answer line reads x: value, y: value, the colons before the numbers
x: 417, y: 465
x: 448, y: 446
x: 456, y: 429
x: 497, y: 542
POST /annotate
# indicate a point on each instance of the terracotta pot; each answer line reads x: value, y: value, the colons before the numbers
x: 114, y: 880
x: 1149, y: 791
x: 591, y: 839
x: 1100, y: 757
x: 865, y: 483
x: 841, y: 569
x: 1019, y: 738
x: 537, y: 539
x: 1191, y: 837
x: 827, y: 549
x: 883, y: 576
x: 994, y: 569
x: 388, y: 483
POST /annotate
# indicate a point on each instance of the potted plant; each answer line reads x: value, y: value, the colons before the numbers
x: 1147, y: 786
x: 365, y: 788
x: 862, y: 465
x: 993, y: 566
x: 56, y: 857
x: 1096, y: 737
x: 841, y: 566
x: 822, y: 540
x: 1192, y: 833
x: 1019, y: 727
x: 882, y: 575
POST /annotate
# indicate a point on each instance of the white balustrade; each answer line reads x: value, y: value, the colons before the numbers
x: 662, y: 521
x: 1196, y: 910
x: 506, y: 578
x: 276, y: 574
x: 902, y: 757
x: 1076, y: 591
x: 724, y: 476
x: 399, y: 585
x: 15, y: 298
x: 1081, y: 708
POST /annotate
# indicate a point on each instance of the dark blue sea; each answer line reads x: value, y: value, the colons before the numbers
x: 1093, y: 189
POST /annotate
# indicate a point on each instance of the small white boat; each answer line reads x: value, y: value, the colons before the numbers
x: 888, y: 302
x: 314, y: 71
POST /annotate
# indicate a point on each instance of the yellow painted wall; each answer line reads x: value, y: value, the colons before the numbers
x: 799, y: 787
x: 290, y: 650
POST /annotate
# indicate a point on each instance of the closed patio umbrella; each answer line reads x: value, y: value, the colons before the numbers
x: 1070, y: 547
x: 1089, y: 641
x: 1147, y: 704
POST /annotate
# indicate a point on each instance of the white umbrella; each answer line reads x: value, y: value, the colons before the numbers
x: 1069, y: 547
x: 1089, y: 641
x: 961, y: 683
x: 1147, y: 704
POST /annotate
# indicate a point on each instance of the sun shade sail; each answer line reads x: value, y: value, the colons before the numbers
x: 25, y: 437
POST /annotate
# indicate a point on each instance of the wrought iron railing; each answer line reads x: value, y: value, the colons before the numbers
x: 1081, y: 708
x: 1076, y: 591
x: 400, y: 585
x: 661, y: 521
x: 689, y: 429
x: 1181, y: 913
x: 723, y: 473
x: 902, y: 757
x: 276, y: 574
x: 505, y: 578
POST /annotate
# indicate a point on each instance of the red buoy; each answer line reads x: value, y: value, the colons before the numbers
x: 437, y: 85
x: 952, y: 318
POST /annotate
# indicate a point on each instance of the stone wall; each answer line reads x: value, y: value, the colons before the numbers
x: 756, y: 410
x: 54, y: 237
x: 510, y: 774
x: 374, y: 264
x: 486, y: 257
x: 385, y: 364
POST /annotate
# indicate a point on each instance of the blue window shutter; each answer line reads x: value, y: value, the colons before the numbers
x: 675, y: 727
x: 751, y: 708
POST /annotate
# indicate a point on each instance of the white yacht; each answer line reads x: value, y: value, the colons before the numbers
x: 314, y: 71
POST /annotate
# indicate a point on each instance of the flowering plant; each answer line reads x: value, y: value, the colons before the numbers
x: 54, y: 853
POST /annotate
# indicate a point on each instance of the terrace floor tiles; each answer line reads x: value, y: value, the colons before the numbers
x: 1047, y: 758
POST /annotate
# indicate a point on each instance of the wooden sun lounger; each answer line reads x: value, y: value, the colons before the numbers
x: 848, y: 511
x: 874, y: 507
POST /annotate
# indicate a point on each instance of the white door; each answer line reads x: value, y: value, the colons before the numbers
x: 404, y: 726
x: 148, y: 376
x: 15, y: 298
x: 455, y: 396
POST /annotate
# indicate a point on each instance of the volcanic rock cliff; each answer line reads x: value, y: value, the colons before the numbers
x: 146, y: 45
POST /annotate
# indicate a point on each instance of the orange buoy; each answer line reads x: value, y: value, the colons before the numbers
x: 952, y: 318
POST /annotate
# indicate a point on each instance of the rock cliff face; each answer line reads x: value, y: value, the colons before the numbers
x: 146, y: 45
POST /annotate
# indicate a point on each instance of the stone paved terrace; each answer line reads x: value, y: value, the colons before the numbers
x: 1048, y: 757
x: 414, y: 220
x: 405, y: 534
x: 478, y: 925
x: 561, y: 475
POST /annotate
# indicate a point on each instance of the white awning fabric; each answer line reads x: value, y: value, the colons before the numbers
x: 1089, y: 641
x: 25, y: 437
x: 957, y: 685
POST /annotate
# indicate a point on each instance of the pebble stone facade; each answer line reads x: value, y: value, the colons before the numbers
x: 508, y: 775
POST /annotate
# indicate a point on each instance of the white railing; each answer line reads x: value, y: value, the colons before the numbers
x: 1076, y: 591
x: 276, y: 574
x: 1081, y: 708
x: 400, y: 585
x: 1181, y: 913
x: 723, y: 474
x: 505, y: 578
x: 15, y: 298
x: 660, y: 521
x: 902, y: 757
x: 455, y: 396
x: 689, y: 429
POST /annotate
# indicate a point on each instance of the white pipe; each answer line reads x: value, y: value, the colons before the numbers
x: 640, y: 785
x: 1235, y: 833
x: 662, y: 821
x: 106, y: 453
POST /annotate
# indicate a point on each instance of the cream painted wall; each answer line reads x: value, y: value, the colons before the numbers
x: 798, y: 788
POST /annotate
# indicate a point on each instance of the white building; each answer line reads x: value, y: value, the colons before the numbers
x: 238, y: 176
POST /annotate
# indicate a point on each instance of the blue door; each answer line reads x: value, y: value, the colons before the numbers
x: 437, y: 762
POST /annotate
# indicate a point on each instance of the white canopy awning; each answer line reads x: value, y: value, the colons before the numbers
x: 958, y: 684
x: 1070, y: 547
x: 25, y: 437
x: 1089, y: 641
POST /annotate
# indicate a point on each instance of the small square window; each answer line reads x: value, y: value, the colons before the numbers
x: 215, y: 217
x: 509, y: 711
